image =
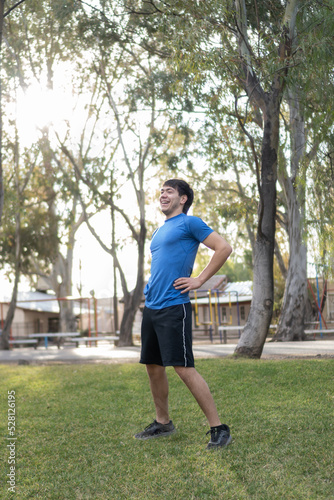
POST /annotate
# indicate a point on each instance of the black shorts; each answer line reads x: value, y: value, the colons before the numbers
x: 166, y: 336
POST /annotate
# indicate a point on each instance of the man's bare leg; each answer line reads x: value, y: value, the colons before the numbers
x: 201, y: 392
x: 159, y: 389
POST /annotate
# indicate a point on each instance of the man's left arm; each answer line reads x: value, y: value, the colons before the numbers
x: 222, y: 251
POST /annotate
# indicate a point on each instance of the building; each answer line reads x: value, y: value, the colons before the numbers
x: 220, y: 303
x: 38, y: 312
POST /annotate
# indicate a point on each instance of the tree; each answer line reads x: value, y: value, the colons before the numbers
x: 250, y: 47
x: 27, y: 231
x: 269, y: 101
x: 3, y: 15
x: 320, y: 209
x: 135, y: 131
x: 140, y: 142
x: 310, y: 113
x: 63, y: 207
x: 38, y: 43
x: 2, y: 6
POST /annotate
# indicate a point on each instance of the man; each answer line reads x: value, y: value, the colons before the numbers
x: 166, y: 325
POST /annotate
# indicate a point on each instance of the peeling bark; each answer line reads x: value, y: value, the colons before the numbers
x: 292, y: 318
x: 132, y: 300
x: 256, y: 329
x: 255, y: 332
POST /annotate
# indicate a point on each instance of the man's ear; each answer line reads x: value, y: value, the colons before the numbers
x: 183, y: 200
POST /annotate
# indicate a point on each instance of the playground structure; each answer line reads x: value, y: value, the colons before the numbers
x: 323, y: 301
x: 212, y: 323
x: 215, y: 320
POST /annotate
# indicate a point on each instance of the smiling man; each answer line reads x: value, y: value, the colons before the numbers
x: 166, y: 325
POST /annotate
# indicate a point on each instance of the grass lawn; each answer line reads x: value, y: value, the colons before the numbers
x: 75, y: 426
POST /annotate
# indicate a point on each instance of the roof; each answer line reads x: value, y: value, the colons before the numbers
x: 37, y: 301
x: 217, y: 282
x: 43, y: 302
x: 240, y: 291
x: 241, y: 287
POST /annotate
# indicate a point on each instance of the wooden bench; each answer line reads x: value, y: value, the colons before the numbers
x: 86, y: 340
x: 59, y: 337
x: 24, y: 342
x: 322, y: 331
x: 225, y: 328
x: 236, y: 328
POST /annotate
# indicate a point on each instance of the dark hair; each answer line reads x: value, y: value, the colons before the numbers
x: 182, y: 188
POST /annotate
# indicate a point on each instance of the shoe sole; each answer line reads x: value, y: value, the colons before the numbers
x: 212, y: 446
x: 154, y: 436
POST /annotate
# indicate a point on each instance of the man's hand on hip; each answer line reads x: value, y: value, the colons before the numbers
x: 187, y: 284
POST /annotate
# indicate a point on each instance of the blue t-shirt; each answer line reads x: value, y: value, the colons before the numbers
x: 174, y: 247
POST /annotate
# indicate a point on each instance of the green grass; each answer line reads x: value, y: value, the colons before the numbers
x: 75, y: 426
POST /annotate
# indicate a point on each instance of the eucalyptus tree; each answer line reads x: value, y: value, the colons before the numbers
x: 306, y: 121
x: 250, y: 48
x: 36, y: 53
x: 320, y: 213
x: 27, y: 232
x: 309, y: 106
x: 4, y: 12
x: 133, y: 130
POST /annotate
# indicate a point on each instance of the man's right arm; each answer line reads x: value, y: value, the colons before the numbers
x: 222, y: 251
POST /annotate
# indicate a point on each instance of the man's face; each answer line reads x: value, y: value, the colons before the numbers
x: 171, y: 203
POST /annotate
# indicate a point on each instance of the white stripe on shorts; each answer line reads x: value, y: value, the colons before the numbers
x: 184, y: 335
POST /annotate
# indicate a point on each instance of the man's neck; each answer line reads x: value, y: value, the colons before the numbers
x: 174, y: 214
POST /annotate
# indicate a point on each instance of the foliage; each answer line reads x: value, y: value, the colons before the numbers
x: 39, y: 50
x: 38, y: 236
x: 76, y: 423
x: 321, y: 208
x: 239, y: 271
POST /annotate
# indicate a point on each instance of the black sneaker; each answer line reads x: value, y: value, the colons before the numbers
x: 220, y: 436
x: 155, y: 429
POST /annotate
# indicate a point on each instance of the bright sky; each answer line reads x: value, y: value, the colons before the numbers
x: 54, y: 107
x: 92, y: 266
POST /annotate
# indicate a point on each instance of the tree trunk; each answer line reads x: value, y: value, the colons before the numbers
x: 255, y: 332
x: 280, y: 261
x: 126, y: 327
x: 292, y: 317
x: 11, y: 311
x: 132, y: 301
x: 67, y: 318
x: 10, y: 314
x: 256, y: 329
x: 131, y: 305
x: 291, y: 322
x: 2, y: 6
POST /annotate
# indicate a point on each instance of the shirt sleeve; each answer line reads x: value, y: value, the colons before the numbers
x: 198, y: 229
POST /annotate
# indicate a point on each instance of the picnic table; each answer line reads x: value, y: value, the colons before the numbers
x: 23, y: 342
x: 59, y: 336
x: 225, y: 328
x: 88, y: 340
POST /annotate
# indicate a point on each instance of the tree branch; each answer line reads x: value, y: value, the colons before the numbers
x: 13, y: 7
x: 252, y: 143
